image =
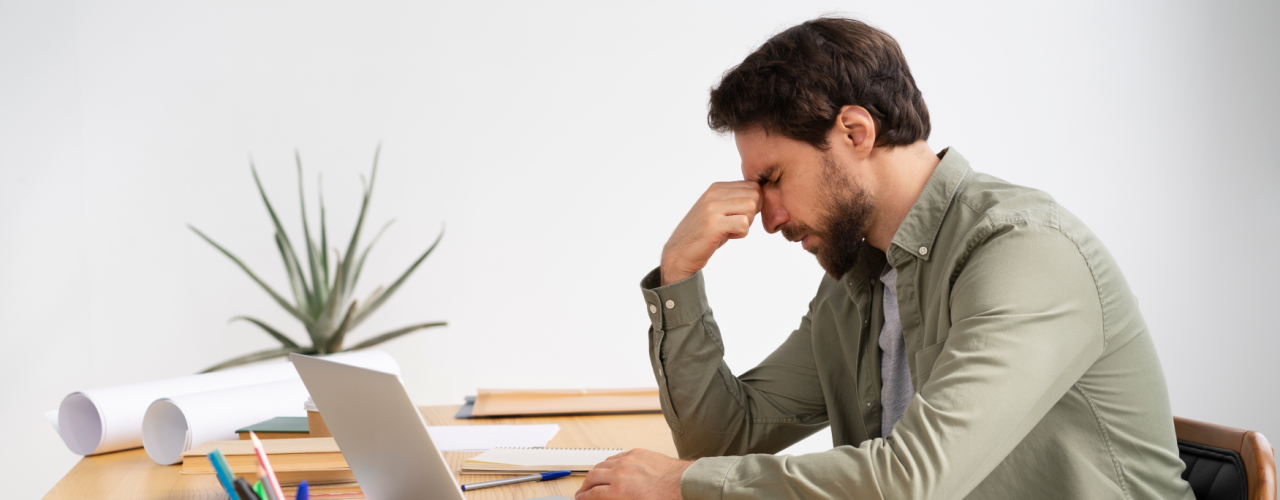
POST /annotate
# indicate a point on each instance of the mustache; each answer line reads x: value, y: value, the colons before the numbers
x: 794, y: 233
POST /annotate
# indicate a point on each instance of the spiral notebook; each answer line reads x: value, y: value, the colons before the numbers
x: 529, y: 460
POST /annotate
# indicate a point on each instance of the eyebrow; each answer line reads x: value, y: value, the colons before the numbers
x: 764, y: 175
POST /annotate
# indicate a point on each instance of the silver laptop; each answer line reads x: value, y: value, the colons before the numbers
x: 380, y: 432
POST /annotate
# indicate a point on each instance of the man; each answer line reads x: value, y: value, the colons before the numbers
x: 970, y: 339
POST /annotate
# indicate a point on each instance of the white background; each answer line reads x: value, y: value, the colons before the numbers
x: 561, y: 143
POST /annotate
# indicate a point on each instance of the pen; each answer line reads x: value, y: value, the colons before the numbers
x: 545, y: 476
x: 304, y: 491
x: 246, y: 492
x: 223, y: 471
x: 272, y: 485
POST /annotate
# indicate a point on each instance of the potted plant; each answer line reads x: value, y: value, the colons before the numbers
x: 323, y: 290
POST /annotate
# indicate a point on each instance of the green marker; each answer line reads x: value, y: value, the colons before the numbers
x: 260, y: 489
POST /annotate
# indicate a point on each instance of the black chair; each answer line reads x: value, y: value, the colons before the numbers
x: 1225, y: 463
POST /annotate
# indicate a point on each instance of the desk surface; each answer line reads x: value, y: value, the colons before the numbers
x: 132, y: 475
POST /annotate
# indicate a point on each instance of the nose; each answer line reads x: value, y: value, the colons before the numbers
x: 773, y: 216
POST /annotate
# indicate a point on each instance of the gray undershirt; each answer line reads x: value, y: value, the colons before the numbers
x: 895, y: 374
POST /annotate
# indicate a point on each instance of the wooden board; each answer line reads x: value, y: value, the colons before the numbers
x: 131, y: 474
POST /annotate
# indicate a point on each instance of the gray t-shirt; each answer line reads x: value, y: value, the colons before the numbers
x: 895, y: 374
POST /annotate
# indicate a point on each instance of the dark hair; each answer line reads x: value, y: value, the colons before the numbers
x: 796, y: 83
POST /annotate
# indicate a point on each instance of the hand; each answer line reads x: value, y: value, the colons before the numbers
x: 634, y: 475
x: 724, y: 212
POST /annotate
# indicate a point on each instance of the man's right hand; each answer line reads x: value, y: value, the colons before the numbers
x: 724, y: 212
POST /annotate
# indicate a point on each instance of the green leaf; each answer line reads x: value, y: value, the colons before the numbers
x: 326, y: 324
x: 393, y: 334
x: 279, y: 300
x: 346, y: 267
x: 312, y: 260
x: 335, y: 343
x: 363, y: 255
x: 295, y: 281
x: 370, y: 307
x: 324, y: 242
x: 288, y: 342
x: 258, y: 356
x: 276, y: 220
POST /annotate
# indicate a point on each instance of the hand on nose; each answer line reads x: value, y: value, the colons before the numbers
x: 724, y: 212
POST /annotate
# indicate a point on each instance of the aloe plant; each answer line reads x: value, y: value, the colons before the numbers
x: 323, y: 290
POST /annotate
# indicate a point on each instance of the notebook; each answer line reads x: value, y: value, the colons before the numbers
x: 517, y: 402
x: 278, y: 428
x: 530, y: 460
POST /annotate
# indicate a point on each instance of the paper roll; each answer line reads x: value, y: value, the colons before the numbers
x: 110, y: 419
x: 174, y: 425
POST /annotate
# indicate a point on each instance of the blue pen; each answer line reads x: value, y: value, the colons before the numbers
x: 304, y: 491
x: 545, y: 476
x: 223, y: 469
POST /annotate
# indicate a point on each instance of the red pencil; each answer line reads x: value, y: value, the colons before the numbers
x: 269, y: 475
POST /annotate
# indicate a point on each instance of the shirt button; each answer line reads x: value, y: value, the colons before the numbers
x: 671, y: 304
x: 868, y: 404
x: 924, y: 250
x: 653, y: 309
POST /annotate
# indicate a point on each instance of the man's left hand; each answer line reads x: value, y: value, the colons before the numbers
x: 634, y: 475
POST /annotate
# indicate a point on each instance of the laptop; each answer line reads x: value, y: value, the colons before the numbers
x: 380, y: 432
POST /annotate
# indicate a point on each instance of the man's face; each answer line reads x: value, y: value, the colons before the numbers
x: 809, y: 195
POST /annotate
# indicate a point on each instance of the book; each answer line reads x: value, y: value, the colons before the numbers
x: 278, y: 428
x: 543, y: 402
x: 531, y: 460
x: 317, y: 460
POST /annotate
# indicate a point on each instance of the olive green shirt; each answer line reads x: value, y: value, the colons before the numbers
x: 1035, y: 376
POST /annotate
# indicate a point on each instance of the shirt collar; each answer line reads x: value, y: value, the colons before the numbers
x: 919, y: 229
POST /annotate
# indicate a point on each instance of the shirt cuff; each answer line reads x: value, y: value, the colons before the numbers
x: 705, y: 478
x: 676, y: 304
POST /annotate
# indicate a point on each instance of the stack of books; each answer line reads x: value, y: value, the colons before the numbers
x: 316, y: 460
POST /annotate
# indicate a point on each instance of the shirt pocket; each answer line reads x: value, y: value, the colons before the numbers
x: 924, y: 362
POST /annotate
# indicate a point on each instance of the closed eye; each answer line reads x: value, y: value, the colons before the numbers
x: 766, y: 176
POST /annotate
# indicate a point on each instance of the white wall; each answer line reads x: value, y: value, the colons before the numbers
x: 561, y: 142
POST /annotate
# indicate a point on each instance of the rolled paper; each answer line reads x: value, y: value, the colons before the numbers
x: 111, y: 418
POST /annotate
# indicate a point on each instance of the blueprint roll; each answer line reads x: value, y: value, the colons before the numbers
x: 110, y: 419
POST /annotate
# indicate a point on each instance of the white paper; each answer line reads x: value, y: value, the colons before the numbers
x: 580, y: 458
x: 110, y: 418
x: 484, y: 437
x: 174, y: 425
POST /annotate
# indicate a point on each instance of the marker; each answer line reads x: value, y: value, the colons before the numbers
x: 545, y: 476
x: 246, y: 492
x: 272, y: 485
x: 260, y: 490
x: 304, y: 491
x: 223, y: 470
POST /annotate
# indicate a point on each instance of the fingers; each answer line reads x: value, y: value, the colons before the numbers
x: 724, y: 212
x: 735, y: 226
x: 604, y: 492
x: 734, y: 206
x: 749, y: 191
x: 596, y: 477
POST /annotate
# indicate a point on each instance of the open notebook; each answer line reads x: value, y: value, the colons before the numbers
x: 530, y: 460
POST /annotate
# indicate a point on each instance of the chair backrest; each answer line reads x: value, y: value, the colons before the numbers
x: 1225, y: 462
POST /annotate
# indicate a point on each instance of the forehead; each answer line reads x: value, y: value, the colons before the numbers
x: 762, y: 152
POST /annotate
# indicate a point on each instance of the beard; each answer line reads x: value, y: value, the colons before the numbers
x: 843, y: 227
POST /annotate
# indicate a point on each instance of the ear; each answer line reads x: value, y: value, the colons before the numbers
x: 854, y: 130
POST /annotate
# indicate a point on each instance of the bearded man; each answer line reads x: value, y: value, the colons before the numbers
x: 970, y: 339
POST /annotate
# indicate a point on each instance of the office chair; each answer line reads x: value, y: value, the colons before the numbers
x: 1224, y: 462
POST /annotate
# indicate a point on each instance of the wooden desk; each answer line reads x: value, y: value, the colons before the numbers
x: 133, y: 475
